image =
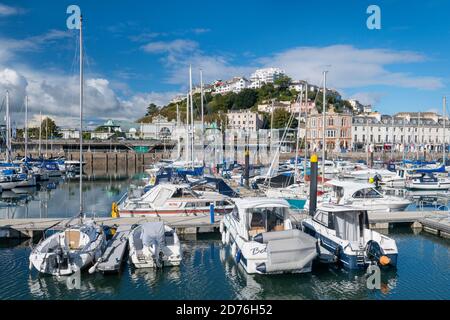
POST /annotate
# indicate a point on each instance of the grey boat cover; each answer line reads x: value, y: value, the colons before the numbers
x: 289, y: 250
x: 152, y: 232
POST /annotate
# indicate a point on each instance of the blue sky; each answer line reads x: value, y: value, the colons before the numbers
x: 139, y: 51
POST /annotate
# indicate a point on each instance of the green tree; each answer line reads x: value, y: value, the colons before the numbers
x: 283, y: 83
x: 49, y: 129
x: 281, y: 119
x: 152, y: 109
x: 246, y: 99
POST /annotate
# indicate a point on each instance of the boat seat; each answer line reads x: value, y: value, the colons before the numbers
x: 73, y: 239
x: 256, y: 230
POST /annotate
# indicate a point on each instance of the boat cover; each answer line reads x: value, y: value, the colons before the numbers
x: 289, y: 250
x: 152, y: 232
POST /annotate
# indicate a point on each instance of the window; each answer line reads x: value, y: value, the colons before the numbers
x: 367, y: 193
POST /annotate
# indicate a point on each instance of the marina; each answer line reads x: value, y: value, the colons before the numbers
x: 262, y: 186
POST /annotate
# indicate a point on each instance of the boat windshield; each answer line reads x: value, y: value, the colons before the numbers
x: 265, y: 219
x: 365, y: 193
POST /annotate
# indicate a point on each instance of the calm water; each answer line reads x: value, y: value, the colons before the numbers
x: 207, y: 270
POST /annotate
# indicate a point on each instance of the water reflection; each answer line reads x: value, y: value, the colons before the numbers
x: 45, y: 200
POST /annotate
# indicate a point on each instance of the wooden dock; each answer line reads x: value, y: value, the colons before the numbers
x: 437, y: 222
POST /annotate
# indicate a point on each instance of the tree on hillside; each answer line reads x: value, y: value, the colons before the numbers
x: 281, y: 119
x: 283, y: 83
x: 152, y: 109
x: 246, y: 99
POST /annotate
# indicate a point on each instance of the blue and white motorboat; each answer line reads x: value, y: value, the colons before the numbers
x: 263, y: 240
x: 344, y: 237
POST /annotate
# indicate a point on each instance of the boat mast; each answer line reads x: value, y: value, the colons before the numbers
x: 306, y: 129
x: 418, y: 149
x: 81, y: 116
x: 297, y: 147
x: 444, y: 105
x: 324, y: 111
x: 26, y: 127
x: 202, y: 116
x: 178, y: 134
x: 188, y: 129
x: 8, y: 130
x: 40, y: 132
x: 192, y: 116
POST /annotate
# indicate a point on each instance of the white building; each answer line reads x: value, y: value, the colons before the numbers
x: 266, y: 75
x: 236, y: 85
x: 244, y: 120
x: 299, y: 85
x: 406, y: 129
x: 69, y: 133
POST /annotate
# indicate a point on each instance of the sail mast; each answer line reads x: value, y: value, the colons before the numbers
x: 444, y: 105
x: 297, y: 146
x: 81, y: 116
x: 8, y: 130
x: 324, y: 111
x: 26, y: 127
x: 306, y: 130
x: 192, y: 116
x: 203, y: 124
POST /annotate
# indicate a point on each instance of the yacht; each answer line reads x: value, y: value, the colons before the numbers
x: 428, y: 181
x: 154, y: 245
x: 69, y: 251
x: 343, y: 232
x: 263, y: 240
x: 363, y: 195
x: 173, y: 199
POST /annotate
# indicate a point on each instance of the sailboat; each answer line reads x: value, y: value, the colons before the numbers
x: 77, y: 246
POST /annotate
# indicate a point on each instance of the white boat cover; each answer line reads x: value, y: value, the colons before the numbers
x: 289, y: 250
x: 152, y: 232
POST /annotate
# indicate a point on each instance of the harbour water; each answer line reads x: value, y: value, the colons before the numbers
x: 207, y: 270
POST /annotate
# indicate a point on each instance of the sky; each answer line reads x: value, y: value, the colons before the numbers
x: 138, y: 52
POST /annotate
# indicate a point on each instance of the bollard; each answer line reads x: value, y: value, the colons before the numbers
x: 211, y: 213
x: 313, y: 185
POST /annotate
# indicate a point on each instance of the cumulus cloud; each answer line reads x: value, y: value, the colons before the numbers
x: 351, y: 67
x: 348, y: 66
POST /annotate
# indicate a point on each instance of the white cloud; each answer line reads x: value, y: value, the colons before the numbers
x: 366, y: 98
x: 172, y: 47
x: 350, y: 67
x: 10, y: 11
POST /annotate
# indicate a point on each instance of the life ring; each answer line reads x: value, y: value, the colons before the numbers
x: 114, y: 210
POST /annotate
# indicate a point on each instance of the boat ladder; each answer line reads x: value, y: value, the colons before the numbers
x: 360, y: 257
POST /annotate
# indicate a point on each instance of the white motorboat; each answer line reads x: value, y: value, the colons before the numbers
x: 263, y: 240
x: 154, y: 245
x: 343, y: 233
x: 69, y: 251
x: 363, y: 195
x: 428, y: 181
x: 371, y: 173
x: 173, y: 199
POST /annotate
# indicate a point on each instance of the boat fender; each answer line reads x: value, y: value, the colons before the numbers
x: 233, y: 249
x: 114, y: 210
x: 238, y: 255
x: 384, y: 260
x: 227, y: 237
x: 223, y: 238
x: 221, y: 226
